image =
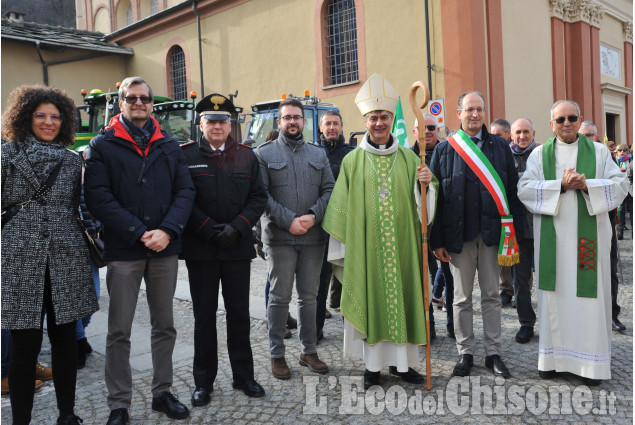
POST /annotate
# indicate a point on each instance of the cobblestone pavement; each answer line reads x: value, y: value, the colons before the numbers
x: 308, y: 398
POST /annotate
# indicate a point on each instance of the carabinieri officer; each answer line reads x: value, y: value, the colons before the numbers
x: 218, y: 245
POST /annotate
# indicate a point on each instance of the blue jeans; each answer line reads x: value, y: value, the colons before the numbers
x: 80, y: 332
x: 443, y: 279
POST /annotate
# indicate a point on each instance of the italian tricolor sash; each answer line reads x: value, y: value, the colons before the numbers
x: 480, y: 165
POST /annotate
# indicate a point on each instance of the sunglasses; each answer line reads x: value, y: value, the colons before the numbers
x: 431, y: 127
x: 133, y: 99
x: 571, y: 118
x: 622, y: 150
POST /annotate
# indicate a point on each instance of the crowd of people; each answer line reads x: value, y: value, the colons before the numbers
x: 498, y: 202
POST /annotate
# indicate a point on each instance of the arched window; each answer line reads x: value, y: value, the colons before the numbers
x: 342, y: 42
x: 154, y: 6
x: 129, y: 16
x: 177, y: 82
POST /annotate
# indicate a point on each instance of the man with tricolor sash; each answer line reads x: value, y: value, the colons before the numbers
x: 569, y: 185
x: 478, y: 211
x: 375, y: 245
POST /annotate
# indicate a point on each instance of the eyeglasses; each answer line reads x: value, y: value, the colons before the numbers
x: 289, y: 118
x: 571, y: 118
x: 622, y: 150
x: 471, y: 110
x: 133, y: 99
x: 41, y: 117
x: 431, y: 127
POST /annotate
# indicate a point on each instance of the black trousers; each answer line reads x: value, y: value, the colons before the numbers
x: 521, y: 274
x: 615, y: 308
x: 26, y: 345
x: 205, y: 277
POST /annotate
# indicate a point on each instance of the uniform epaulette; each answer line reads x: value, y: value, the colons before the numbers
x: 245, y: 146
x: 188, y: 143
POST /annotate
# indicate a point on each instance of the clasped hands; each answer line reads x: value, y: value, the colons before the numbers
x: 301, y: 225
x: 573, y: 180
x: 156, y: 240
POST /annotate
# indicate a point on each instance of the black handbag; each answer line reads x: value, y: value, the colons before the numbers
x: 9, y: 212
x: 95, y: 244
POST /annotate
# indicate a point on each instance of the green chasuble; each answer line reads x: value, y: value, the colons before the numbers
x: 381, y: 278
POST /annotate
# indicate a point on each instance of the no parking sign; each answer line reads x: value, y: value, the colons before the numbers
x: 437, y: 109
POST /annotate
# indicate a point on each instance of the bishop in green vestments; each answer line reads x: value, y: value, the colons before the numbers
x: 374, y: 223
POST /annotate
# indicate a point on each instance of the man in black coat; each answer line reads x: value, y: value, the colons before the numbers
x: 467, y: 230
x: 137, y: 184
x: 334, y: 144
x: 218, y: 245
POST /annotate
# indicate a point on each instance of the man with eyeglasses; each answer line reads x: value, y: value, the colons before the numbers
x: 298, y: 182
x: 569, y: 185
x: 218, y: 245
x: 375, y: 243
x: 441, y: 277
x: 477, y: 202
x: 138, y: 185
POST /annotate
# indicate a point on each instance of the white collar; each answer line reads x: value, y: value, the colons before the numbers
x: 222, y: 148
x: 370, y: 149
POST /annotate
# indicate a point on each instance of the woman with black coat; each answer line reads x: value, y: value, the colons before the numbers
x: 45, y: 268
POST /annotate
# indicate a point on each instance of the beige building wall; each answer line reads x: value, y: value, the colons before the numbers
x: 527, y: 64
x: 21, y: 65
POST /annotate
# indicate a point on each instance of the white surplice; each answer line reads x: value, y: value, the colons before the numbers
x: 575, y: 332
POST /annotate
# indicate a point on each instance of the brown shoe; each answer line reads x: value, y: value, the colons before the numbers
x: 313, y: 363
x: 43, y: 373
x: 5, y: 385
x: 280, y: 369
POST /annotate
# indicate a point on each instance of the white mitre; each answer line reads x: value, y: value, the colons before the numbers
x: 377, y: 95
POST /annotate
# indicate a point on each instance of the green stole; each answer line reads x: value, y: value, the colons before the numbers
x: 587, y: 277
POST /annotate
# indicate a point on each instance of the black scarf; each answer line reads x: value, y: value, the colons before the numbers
x: 141, y: 136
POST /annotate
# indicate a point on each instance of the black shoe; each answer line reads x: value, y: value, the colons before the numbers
x: 524, y: 334
x: 81, y: 356
x: 169, y: 404
x: 202, y: 395
x: 291, y: 322
x: 412, y: 376
x: 118, y: 417
x: 83, y: 343
x: 620, y: 234
x: 591, y: 382
x: 327, y: 314
x: 618, y: 326
x: 250, y: 388
x: 287, y: 333
x: 463, y: 366
x: 506, y: 299
x: 71, y: 419
x: 547, y: 374
x: 496, y: 365
x: 370, y: 379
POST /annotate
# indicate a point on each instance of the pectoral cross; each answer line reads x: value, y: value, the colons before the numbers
x: 383, y: 192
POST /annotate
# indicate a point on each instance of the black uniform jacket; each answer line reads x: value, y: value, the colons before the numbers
x: 229, y: 190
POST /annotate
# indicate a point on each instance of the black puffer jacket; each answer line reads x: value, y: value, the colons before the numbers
x: 335, y: 152
x: 448, y: 228
x: 131, y: 191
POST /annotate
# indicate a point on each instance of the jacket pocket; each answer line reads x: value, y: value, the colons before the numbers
x: 316, y: 169
x: 278, y: 173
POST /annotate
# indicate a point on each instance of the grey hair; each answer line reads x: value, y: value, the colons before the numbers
x: 531, y: 123
x: 132, y: 81
x: 426, y: 115
x: 590, y: 124
x: 571, y: 102
x: 368, y: 114
x: 502, y: 123
x: 330, y: 112
x: 465, y: 93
